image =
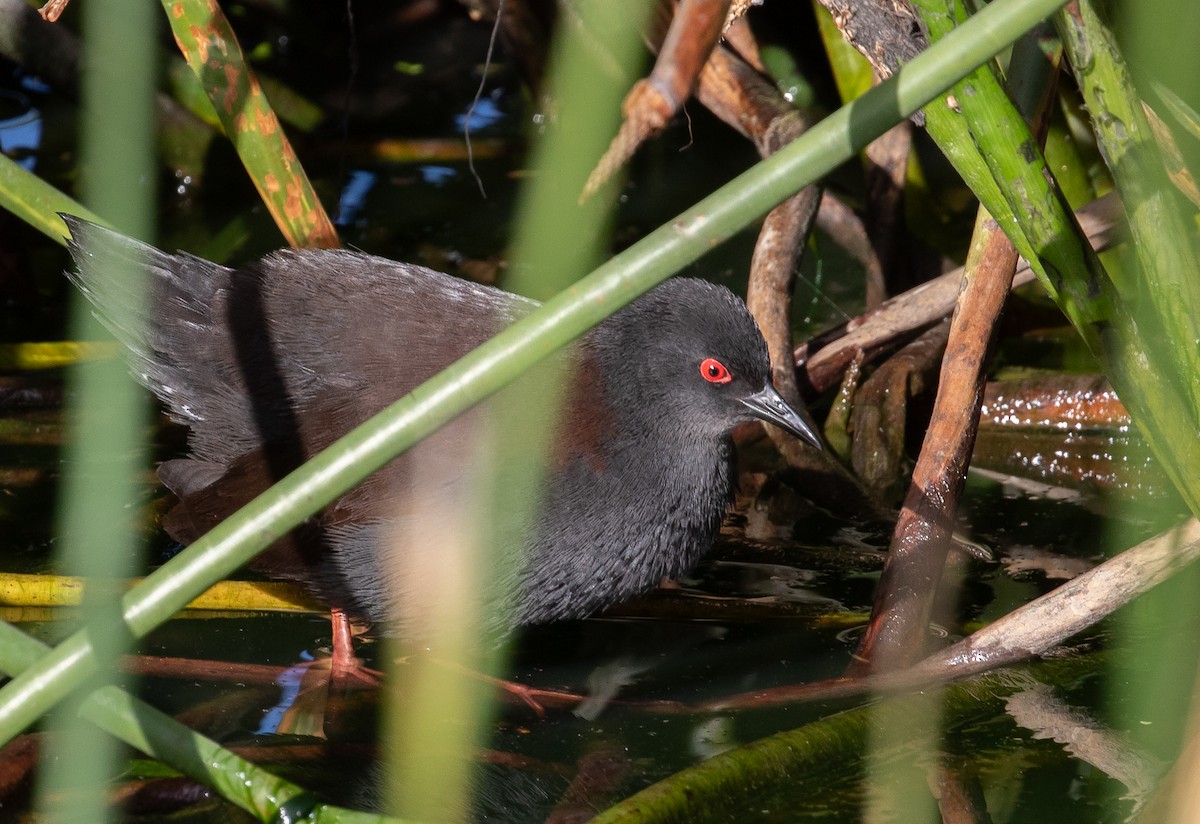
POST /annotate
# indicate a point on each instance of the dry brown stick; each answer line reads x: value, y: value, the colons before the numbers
x: 652, y: 102
x: 740, y: 38
x: 1027, y: 632
x: 849, y: 232
x: 1072, y: 607
x: 732, y: 90
x: 196, y: 669
x: 772, y: 276
x: 878, y: 420
x: 822, y: 359
x: 739, y: 95
x: 768, y: 297
x: 886, y: 166
x: 897, y: 633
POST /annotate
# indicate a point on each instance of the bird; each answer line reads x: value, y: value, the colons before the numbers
x: 268, y: 363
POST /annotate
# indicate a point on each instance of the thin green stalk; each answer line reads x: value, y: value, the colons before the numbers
x: 107, y: 416
x: 990, y: 145
x: 438, y: 719
x: 1164, y: 294
x: 499, y: 362
x: 37, y: 202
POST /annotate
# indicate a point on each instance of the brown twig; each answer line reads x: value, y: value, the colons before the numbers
x: 733, y: 91
x: 1076, y: 605
x: 822, y: 359
x: 878, y: 420
x: 53, y: 10
x: 160, y: 666
x: 651, y: 103
x: 886, y: 166
x: 897, y: 633
x: 1029, y: 631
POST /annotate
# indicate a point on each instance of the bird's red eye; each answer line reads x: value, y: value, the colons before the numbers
x: 713, y: 371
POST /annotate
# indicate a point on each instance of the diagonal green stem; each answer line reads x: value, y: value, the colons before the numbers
x: 211, y: 49
x: 258, y: 792
x: 501, y: 360
x: 37, y: 202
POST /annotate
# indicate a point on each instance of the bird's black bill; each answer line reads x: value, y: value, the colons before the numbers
x: 767, y: 405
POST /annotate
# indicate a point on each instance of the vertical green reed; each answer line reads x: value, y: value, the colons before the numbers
x: 1152, y: 682
x: 437, y: 719
x: 107, y: 413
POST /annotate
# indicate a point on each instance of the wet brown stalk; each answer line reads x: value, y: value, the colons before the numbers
x: 897, y: 633
x: 886, y: 166
x: 879, y: 418
x: 735, y: 92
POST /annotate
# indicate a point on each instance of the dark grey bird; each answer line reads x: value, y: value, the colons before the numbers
x: 269, y: 363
